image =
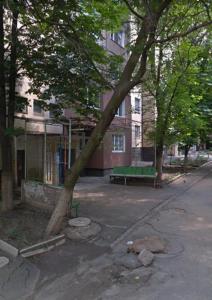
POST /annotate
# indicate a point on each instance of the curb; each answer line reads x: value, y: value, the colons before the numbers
x: 35, y: 249
x: 175, y: 178
x: 157, y: 208
x: 185, y: 174
x: 9, y: 249
x: 42, y: 247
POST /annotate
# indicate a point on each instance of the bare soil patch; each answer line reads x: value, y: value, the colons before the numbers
x: 24, y: 226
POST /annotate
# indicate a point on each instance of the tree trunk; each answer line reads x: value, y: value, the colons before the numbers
x: 126, y: 83
x: 186, y: 150
x: 7, y: 116
x: 5, y: 159
x: 62, y: 206
x: 7, y: 174
x: 138, y: 57
x: 159, y: 165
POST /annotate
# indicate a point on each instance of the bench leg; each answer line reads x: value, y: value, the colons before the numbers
x: 125, y: 180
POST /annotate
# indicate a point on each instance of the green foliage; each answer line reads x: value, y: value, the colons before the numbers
x: 180, y: 92
x: 72, y: 67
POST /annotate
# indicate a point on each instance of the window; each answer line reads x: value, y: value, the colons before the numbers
x: 119, y: 38
x: 118, y: 142
x: 23, y: 109
x: 137, y: 131
x: 121, y: 110
x: 37, y: 107
x: 137, y: 106
x: 21, y: 105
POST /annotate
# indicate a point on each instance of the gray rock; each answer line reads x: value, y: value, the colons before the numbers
x: 84, y: 232
x: 152, y: 243
x: 146, y: 257
x: 129, y: 261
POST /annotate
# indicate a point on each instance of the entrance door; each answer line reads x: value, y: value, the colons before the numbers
x: 20, y: 166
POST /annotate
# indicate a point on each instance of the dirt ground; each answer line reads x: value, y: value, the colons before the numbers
x: 23, y: 226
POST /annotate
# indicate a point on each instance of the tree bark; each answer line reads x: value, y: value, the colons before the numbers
x: 62, y: 206
x: 159, y: 164
x: 139, y: 55
x: 6, y: 190
x: 186, y: 150
x: 7, y: 174
x: 7, y: 115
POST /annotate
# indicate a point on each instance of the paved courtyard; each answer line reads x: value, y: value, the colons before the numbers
x: 180, y: 213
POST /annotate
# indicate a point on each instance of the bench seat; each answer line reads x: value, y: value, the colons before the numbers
x: 133, y: 172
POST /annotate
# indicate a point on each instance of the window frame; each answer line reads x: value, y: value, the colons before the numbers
x: 122, y: 109
x: 36, y: 113
x: 115, y: 135
x: 118, y: 38
x: 137, y: 109
x: 137, y: 132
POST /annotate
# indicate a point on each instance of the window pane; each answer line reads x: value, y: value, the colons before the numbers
x: 137, y: 105
x: 121, y: 110
x: 118, y: 142
x: 37, y: 107
x: 118, y: 37
x: 137, y: 131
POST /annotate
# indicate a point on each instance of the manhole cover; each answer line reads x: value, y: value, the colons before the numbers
x: 79, y: 222
x: 3, y: 261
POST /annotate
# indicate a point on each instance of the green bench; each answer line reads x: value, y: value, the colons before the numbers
x: 133, y: 172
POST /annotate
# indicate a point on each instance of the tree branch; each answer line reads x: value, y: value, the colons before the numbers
x: 206, y: 8
x: 132, y: 10
x: 183, y: 34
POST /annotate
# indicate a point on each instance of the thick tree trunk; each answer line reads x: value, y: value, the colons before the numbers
x: 95, y: 139
x: 7, y: 174
x: 7, y: 115
x: 139, y: 56
x: 120, y: 92
x: 4, y: 140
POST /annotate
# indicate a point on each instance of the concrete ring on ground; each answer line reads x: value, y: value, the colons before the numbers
x: 79, y: 222
x: 83, y: 232
x: 3, y: 261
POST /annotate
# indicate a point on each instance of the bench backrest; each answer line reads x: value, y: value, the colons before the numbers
x: 135, y: 170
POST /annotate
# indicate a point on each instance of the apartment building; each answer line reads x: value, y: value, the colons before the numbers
x: 47, y: 148
x: 115, y: 149
x: 35, y: 148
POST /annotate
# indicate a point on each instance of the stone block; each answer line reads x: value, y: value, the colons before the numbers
x: 146, y: 257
